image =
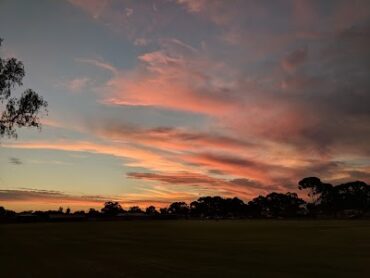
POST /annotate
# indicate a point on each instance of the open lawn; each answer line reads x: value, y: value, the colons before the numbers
x: 180, y: 248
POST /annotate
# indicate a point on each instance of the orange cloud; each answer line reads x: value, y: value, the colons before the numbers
x: 36, y: 199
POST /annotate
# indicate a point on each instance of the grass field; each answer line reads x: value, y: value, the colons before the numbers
x: 186, y: 249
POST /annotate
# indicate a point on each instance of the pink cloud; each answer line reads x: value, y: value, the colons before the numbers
x: 233, y: 165
x: 175, y: 77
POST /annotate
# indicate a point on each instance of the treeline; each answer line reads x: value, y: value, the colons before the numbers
x: 348, y: 200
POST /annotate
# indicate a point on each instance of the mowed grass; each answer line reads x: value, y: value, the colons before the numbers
x: 248, y: 248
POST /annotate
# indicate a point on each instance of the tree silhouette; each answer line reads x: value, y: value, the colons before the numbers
x: 112, y: 208
x: 135, y: 209
x: 163, y: 211
x: 151, y: 210
x: 276, y: 205
x: 329, y: 199
x: 6, y: 213
x: 178, y: 208
x: 93, y: 212
x: 322, y: 195
x: 209, y: 206
x: 17, y: 112
x: 352, y: 195
x: 234, y: 207
x: 315, y: 186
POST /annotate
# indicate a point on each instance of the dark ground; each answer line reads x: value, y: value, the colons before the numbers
x: 181, y: 248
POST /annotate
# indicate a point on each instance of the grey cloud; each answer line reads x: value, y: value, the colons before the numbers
x: 294, y: 59
x: 15, y: 161
x: 25, y: 194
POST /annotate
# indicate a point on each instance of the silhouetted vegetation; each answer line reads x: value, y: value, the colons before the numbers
x: 4, y: 213
x: 151, y: 210
x: 348, y: 200
x: 112, y: 209
x: 17, y: 112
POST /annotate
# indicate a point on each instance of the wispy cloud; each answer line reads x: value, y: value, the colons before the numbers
x: 78, y: 84
x: 215, y: 185
x: 133, y: 156
x: 99, y: 63
x: 50, y: 196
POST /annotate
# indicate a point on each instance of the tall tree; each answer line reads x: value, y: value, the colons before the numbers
x: 317, y: 190
x: 151, y: 210
x: 179, y: 208
x: 352, y: 195
x: 17, y: 112
x: 276, y: 205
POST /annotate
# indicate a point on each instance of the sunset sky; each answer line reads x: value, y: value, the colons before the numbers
x: 152, y: 102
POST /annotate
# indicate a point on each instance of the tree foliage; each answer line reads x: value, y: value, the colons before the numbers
x: 112, y: 208
x: 276, y: 205
x: 330, y: 200
x: 135, y: 209
x: 17, y: 112
x: 151, y: 210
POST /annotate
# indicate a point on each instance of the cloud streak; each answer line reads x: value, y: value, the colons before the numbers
x: 243, y: 188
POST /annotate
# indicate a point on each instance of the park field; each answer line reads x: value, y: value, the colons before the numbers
x: 187, y: 248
